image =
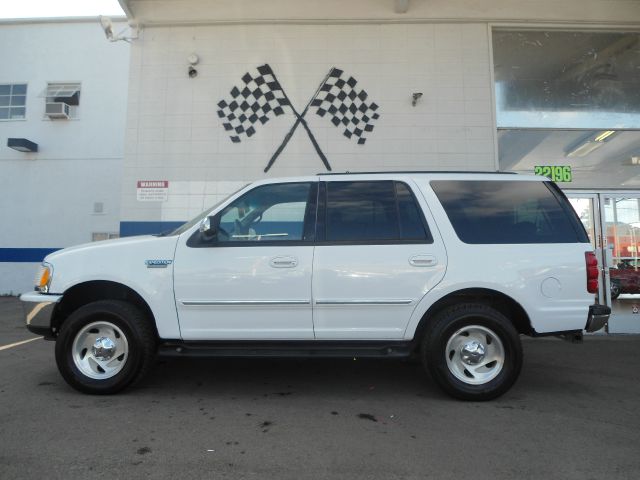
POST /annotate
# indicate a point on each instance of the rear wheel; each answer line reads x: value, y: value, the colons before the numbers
x: 472, y: 351
x: 105, y: 346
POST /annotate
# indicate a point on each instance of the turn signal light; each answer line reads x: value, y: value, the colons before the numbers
x: 592, y: 272
x: 43, y: 279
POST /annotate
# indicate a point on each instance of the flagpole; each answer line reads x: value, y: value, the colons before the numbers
x: 298, y: 121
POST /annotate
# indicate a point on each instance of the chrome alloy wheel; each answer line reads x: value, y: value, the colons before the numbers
x: 100, y: 350
x: 475, y: 355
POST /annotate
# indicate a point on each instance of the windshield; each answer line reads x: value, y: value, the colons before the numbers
x: 183, y: 228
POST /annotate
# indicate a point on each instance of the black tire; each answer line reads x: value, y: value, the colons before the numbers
x: 615, y: 290
x: 443, y: 327
x: 131, y: 322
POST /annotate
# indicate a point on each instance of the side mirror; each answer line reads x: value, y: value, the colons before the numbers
x: 207, y: 228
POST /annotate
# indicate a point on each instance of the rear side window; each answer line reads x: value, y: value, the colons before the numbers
x: 383, y: 211
x: 504, y: 212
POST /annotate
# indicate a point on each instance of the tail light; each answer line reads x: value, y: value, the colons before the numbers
x: 592, y: 272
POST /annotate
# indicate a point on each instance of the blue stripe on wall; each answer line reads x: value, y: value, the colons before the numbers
x: 24, y: 255
x: 129, y: 229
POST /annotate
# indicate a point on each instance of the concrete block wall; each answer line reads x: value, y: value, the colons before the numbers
x: 173, y: 132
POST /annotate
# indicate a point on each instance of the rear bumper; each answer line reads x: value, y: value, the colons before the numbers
x: 598, y: 317
x: 38, y: 310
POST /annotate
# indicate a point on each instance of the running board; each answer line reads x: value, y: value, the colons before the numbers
x: 292, y: 349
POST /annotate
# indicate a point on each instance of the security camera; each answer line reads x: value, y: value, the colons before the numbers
x: 415, y: 97
x: 107, y: 26
x: 192, y: 72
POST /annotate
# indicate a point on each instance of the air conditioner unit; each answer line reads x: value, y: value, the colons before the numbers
x: 57, y: 110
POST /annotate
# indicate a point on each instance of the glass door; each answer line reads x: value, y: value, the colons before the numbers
x: 587, y: 206
x: 612, y: 220
x: 621, y: 222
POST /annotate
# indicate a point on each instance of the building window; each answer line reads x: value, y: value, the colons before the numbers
x: 100, y: 236
x: 63, y: 100
x: 13, y: 101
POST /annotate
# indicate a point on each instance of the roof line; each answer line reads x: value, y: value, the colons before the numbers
x: 486, y: 172
x: 37, y: 20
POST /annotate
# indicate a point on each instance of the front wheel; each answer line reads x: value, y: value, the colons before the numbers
x: 472, y: 351
x: 105, y: 346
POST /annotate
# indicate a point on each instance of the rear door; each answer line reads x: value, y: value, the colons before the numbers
x: 376, y: 256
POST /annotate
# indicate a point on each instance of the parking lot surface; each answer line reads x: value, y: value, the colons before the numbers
x: 574, y: 414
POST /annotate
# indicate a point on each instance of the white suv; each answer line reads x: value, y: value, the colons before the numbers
x: 453, y: 267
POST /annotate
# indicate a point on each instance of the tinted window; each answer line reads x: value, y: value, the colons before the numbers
x: 411, y: 223
x: 506, y: 212
x: 371, y: 211
x: 361, y: 211
x: 267, y: 213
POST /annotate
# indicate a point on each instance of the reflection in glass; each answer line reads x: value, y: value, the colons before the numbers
x: 567, y: 79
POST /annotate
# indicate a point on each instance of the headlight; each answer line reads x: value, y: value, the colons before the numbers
x: 44, y: 278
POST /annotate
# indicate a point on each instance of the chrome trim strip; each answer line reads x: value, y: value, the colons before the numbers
x: 363, y: 301
x: 201, y: 303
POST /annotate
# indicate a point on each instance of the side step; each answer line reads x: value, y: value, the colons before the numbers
x: 291, y: 349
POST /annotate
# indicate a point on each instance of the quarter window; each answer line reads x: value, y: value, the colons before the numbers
x: 267, y: 213
x: 504, y: 212
x: 13, y: 101
x: 373, y: 211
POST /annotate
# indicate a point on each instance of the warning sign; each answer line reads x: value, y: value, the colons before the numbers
x: 153, y: 190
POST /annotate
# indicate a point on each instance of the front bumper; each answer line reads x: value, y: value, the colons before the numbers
x: 38, y: 311
x: 598, y: 317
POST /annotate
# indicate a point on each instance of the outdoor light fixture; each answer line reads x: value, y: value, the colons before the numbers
x: 593, y: 142
x: 22, y: 145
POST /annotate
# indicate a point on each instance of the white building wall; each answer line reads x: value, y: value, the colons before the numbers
x: 48, y: 197
x: 173, y: 131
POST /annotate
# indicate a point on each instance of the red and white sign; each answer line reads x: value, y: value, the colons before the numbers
x: 153, y: 190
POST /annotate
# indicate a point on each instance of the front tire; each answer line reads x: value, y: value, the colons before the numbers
x: 472, y: 351
x: 105, y: 346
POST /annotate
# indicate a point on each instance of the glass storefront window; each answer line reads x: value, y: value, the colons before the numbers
x: 567, y: 79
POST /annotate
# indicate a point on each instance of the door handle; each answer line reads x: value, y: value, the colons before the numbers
x: 283, y: 262
x: 423, y: 261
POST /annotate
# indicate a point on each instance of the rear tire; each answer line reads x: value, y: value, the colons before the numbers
x: 472, y: 351
x: 105, y: 346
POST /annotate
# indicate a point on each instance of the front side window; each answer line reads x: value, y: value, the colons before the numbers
x: 267, y: 213
x: 507, y: 212
x: 384, y: 211
x: 13, y: 101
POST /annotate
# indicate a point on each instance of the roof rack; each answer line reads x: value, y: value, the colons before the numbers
x: 418, y: 171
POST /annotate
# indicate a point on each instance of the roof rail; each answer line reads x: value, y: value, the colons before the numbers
x: 418, y: 171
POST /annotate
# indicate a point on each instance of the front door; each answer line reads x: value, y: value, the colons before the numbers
x: 253, y: 279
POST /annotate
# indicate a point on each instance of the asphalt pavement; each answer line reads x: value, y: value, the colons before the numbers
x: 574, y: 414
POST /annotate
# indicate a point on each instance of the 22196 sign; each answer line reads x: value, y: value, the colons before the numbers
x: 557, y: 173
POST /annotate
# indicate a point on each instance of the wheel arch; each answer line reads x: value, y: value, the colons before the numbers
x: 91, y: 291
x: 493, y: 298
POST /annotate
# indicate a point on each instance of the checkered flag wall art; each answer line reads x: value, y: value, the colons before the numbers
x: 261, y: 97
x: 346, y: 105
x: 255, y: 102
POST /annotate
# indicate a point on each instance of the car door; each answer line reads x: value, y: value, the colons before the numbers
x: 375, y: 259
x: 253, y: 279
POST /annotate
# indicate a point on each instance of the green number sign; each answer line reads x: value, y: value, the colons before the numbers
x: 557, y: 173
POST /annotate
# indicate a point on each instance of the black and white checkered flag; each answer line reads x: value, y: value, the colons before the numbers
x: 259, y: 99
x: 347, y: 105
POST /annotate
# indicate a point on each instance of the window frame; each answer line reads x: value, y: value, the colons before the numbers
x: 308, y: 227
x: 321, y: 224
x: 54, y: 88
x: 11, y: 95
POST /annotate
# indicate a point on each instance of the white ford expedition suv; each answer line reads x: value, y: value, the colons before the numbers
x: 452, y: 267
